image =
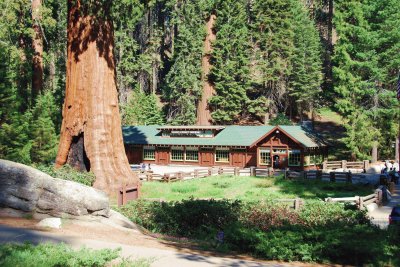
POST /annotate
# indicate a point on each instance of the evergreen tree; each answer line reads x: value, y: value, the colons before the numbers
x: 183, y: 81
x: 142, y: 109
x: 306, y: 77
x: 273, y: 34
x: 15, y: 142
x: 230, y: 63
x: 42, y: 131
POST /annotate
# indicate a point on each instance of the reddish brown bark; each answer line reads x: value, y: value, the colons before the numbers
x: 91, y: 120
x: 203, y: 111
x: 37, y: 46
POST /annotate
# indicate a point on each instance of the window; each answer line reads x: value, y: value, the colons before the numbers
x: 192, y: 154
x: 222, y: 155
x: 265, y: 156
x: 294, y: 157
x: 177, y: 154
x: 312, y: 160
x: 149, y: 153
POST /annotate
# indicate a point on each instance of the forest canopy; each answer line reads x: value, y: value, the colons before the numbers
x: 269, y: 57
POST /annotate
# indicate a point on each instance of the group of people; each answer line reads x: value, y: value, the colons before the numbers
x: 391, y: 170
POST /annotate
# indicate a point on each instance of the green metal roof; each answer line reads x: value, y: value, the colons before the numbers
x: 233, y: 135
x: 303, y: 135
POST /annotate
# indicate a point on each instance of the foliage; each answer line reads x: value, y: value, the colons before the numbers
x: 183, y: 82
x: 66, y: 172
x: 306, y: 77
x: 147, y: 113
x: 53, y: 255
x: 319, y: 232
x: 365, y: 77
x: 280, y: 119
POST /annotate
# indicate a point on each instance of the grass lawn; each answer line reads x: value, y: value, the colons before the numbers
x: 250, y: 189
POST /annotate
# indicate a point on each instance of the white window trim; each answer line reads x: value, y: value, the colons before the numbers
x: 222, y: 149
x: 149, y: 148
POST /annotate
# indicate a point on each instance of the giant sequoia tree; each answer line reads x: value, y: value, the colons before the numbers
x: 91, y: 136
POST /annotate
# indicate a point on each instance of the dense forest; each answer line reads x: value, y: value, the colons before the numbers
x: 214, y: 61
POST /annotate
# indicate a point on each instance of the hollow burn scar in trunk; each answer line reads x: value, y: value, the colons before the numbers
x: 77, y: 157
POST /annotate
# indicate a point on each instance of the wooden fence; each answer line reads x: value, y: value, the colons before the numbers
x: 252, y: 171
x: 361, y: 202
x: 196, y: 173
x: 326, y: 176
x: 344, y: 164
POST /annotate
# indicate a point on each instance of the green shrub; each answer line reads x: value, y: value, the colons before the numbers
x: 320, y: 232
x: 53, y: 255
x: 67, y: 172
x: 189, y: 218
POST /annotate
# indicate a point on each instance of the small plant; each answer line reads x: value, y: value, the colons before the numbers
x: 67, y: 172
x: 53, y: 255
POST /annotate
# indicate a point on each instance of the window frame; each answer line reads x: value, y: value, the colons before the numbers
x: 192, y: 149
x: 177, y: 148
x: 149, y: 149
x: 224, y: 150
x: 267, y: 151
x: 298, y: 155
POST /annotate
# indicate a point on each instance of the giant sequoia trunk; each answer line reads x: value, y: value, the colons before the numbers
x: 91, y: 136
x: 203, y: 111
x: 37, y: 47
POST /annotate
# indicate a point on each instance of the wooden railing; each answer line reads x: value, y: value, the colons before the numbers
x: 196, y: 173
x: 324, y: 176
x: 344, y: 164
x: 361, y: 202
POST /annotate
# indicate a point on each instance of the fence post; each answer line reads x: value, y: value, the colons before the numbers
x: 252, y: 171
x: 196, y: 173
x: 236, y: 171
x: 360, y: 203
x: 319, y: 175
x: 332, y: 176
x: 297, y: 204
x: 180, y: 175
x: 344, y: 164
x: 220, y: 170
x: 366, y: 164
x: 304, y: 175
x: 167, y: 177
x: 209, y: 171
x: 149, y: 176
x: 349, y: 177
x: 325, y: 165
x: 269, y: 172
x: 378, y: 193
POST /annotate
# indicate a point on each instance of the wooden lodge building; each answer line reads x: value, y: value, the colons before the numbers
x: 293, y: 147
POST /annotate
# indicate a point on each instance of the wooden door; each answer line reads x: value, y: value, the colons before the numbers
x: 207, y: 158
x: 163, y: 156
x: 238, y: 159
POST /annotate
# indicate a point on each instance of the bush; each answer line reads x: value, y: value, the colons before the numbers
x: 189, y: 218
x: 53, y: 255
x: 320, y: 232
x: 67, y: 172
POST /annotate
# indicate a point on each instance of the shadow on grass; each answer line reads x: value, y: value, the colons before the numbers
x: 309, y: 189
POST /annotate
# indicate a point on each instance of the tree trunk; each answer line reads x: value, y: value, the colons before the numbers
x: 37, y: 46
x: 91, y: 135
x: 203, y: 111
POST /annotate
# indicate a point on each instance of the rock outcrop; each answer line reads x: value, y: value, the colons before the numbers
x: 25, y: 190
